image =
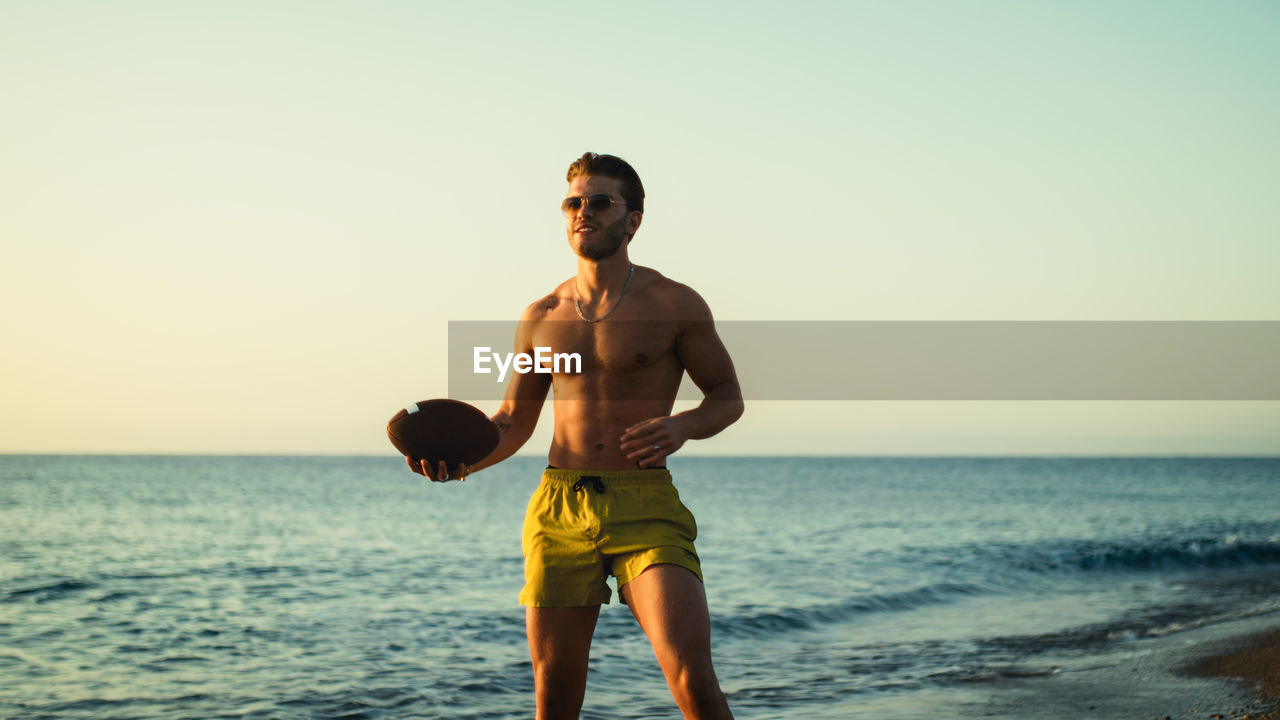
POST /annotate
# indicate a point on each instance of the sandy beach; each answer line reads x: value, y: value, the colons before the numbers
x: 1225, y: 671
x: 1256, y: 662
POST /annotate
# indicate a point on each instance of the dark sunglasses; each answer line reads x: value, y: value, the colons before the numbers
x: 597, y: 203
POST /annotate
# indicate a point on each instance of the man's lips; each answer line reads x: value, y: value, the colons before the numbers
x: 585, y: 228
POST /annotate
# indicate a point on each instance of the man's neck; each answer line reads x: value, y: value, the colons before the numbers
x: 603, y: 278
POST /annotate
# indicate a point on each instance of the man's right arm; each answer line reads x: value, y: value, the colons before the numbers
x: 522, y: 403
x: 517, y: 416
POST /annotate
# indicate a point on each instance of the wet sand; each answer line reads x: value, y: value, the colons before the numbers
x: 1255, y: 662
x: 1227, y: 671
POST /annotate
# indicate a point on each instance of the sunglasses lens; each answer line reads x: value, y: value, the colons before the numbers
x: 599, y: 203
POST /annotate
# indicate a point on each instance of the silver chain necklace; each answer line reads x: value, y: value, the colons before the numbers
x: 577, y: 298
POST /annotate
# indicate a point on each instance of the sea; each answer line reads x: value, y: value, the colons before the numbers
x: 347, y: 587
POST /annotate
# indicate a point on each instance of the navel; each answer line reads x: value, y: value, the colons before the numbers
x: 642, y: 359
x: 599, y: 446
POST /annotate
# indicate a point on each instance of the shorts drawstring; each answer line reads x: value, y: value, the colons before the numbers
x: 596, y: 483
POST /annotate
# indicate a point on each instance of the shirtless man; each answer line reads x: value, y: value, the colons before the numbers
x: 606, y: 504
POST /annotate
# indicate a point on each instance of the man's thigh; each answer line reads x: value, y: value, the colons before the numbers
x: 561, y: 636
x: 559, y: 645
x: 671, y: 606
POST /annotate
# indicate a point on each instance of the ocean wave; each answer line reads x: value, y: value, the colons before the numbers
x: 49, y: 590
x: 993, y: 570
x: 1167, y: 554
x: 1182, y: 625
x: 1148, y: 621
x: 759, y: 622
x: 1007, y: 565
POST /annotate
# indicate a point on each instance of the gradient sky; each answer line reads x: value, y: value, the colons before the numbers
x: 243, y: 226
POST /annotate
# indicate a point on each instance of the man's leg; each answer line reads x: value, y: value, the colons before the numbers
x: 559, y: 644
x: 670, y: 605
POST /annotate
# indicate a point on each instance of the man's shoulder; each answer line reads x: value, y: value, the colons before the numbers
x: 542, y: 308
x: 677, y: 298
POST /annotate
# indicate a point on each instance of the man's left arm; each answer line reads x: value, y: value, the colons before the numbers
x: 700, y: 350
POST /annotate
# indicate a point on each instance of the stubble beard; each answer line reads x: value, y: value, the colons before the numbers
x: 611, y: 238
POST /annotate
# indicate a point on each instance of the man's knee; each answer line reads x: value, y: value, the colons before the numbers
x: 696, y: 687
x: 556, y: 677
x: 559, y: 645
x: 559, y: 691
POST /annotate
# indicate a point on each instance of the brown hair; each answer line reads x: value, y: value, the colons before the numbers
x: 611, y: 166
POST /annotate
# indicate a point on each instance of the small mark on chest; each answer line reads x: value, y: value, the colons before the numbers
x: 642, y: 359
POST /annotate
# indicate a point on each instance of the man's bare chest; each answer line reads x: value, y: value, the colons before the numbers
x: 614, y: 347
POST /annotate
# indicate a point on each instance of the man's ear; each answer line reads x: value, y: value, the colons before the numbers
x: 633, y: 223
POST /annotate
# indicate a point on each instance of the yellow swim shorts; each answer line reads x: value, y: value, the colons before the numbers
x: 584, y: 525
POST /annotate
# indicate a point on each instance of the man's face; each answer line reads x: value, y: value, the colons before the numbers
x: 596, y: 235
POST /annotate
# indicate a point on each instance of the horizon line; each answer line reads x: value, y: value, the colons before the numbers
x: 710, y: 456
